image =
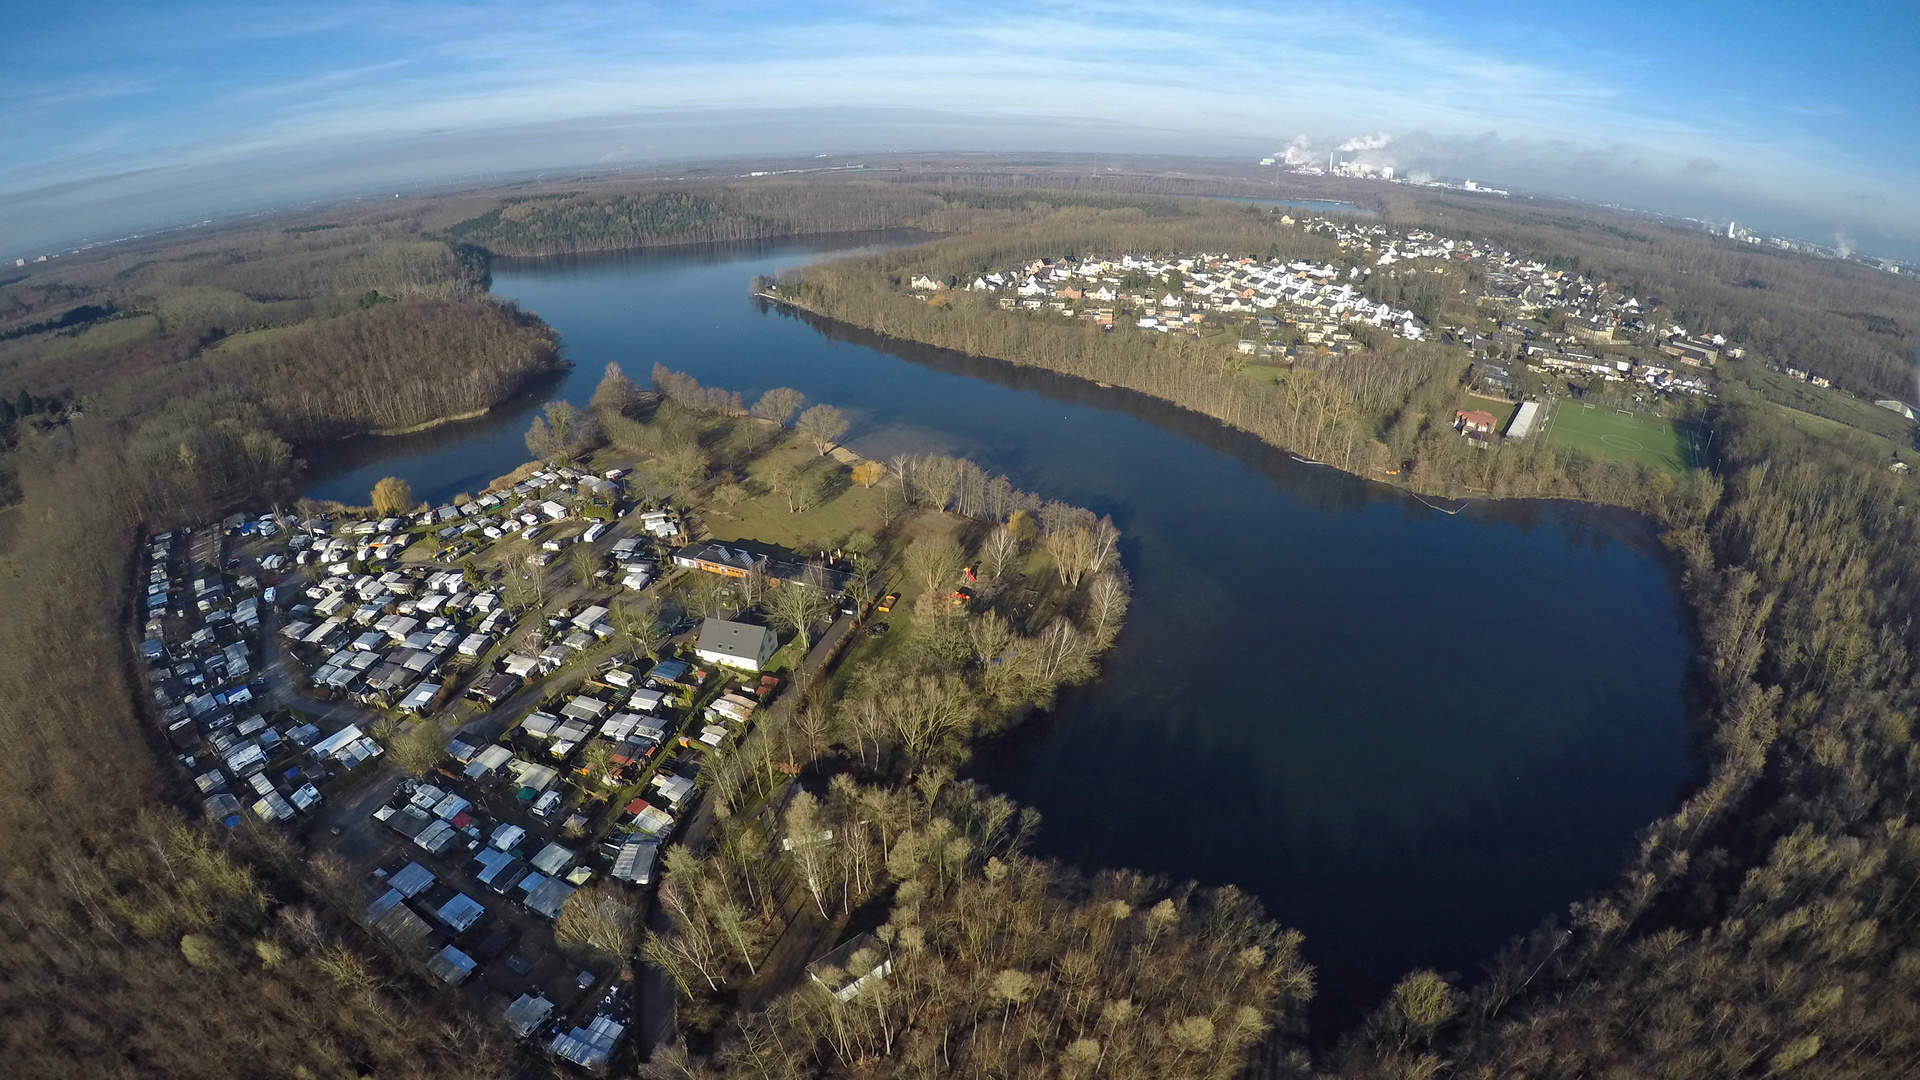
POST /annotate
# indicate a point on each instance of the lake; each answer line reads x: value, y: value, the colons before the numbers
x: 1412, y: 735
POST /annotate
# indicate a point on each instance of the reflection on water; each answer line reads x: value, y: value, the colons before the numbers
x: 1412, y: 735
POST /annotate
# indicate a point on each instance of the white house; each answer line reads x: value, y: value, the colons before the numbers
x: 738, y: 645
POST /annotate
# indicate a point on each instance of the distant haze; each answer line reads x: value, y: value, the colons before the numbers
x: 115, y: 119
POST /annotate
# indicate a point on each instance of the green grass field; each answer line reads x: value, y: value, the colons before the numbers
x: 1781, y: 389
x: 1609, y: 434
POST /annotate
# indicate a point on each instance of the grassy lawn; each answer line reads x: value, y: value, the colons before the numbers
x: 866, y: 649
x: 764, y: 517
x: 99, y: 336
x: 1835, y: 431
x: 252, y: 337
x: 1502, y: 410
x: 1264, y: 373
x: 1822, y: 402
x: 1606, y: 433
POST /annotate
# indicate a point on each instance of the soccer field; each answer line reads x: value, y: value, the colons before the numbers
x: 1609, y: 434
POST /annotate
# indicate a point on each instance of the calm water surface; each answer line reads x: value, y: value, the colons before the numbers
x: 1412, y: 735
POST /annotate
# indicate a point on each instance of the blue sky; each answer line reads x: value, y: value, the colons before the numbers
x: 115, y: 117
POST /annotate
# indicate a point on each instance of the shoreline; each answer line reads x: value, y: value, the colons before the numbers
x: 789, y: 302
x: 1672, y: 567
x: 429, y: 424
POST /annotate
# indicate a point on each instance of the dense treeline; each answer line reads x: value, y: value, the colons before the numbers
x: 578, y: 222
x: 136, y: 944
x: 999, y: 964
x: 570, y: 222
x: 389, y: 366
x: 164, y: 302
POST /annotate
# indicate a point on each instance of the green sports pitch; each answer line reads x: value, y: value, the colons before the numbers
x: 1610, y: 434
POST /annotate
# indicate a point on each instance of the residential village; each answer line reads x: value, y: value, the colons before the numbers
x: 291, y: 657
x: 1553, y: 322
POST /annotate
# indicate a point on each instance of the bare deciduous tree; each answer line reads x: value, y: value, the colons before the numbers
x: 822, y: 425
x: 794, y: 606
x: 599, y: 918
x: 935, y: 561
x: 999, y: 553
x: 778, y: 404
x: 1107, y: 598
x: 810, y: 841
x: 616, y: 393
x: 418, y: 748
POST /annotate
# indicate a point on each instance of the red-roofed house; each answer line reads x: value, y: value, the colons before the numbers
x: 1471, y: 420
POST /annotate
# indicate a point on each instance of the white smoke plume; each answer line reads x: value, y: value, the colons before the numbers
x: 1366, y: 142
x: 1299, y: 151
x: 1843, y: 244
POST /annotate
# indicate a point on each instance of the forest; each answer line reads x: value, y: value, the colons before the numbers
x: 567, y: 223
x: 136, y: 942
x: 1767, y: 926
x: 590, y: 220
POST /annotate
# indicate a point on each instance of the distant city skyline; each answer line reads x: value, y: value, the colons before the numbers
x: 116, y: 118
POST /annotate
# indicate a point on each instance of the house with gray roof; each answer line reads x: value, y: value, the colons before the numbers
x: 737, y: 645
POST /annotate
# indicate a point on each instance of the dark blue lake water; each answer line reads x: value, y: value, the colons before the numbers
x: 1412, y: 735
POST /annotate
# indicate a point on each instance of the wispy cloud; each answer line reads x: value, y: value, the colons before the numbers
x: 243, y: 81
x: 1815, y: 110
x: 310, y: 84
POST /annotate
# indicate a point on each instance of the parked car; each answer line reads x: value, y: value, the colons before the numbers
x: 886, y: 603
